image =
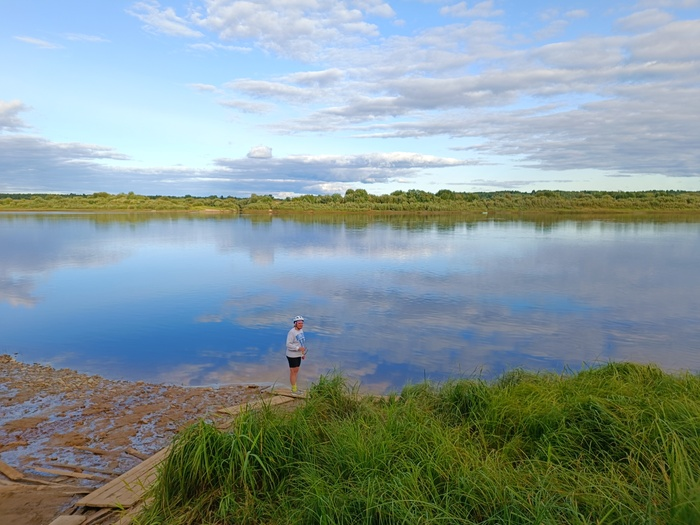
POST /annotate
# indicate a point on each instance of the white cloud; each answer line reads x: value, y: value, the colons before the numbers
x: 43, y: 44
x: 681, y: 4
x: 260, y: 152
x: 577, y: 13
x: 9, y: 115
x: 368, y: 168
x: 79, y: 37
x: 274, y: 90
x: 672, y: 42
x: 33, y: 164
x: 480, y: 10
x: 292, y: 28
x: 205, y: 88
x: 375, y: 8
x: 646, y: 19
x: 215, y: 46
x: 246, y: 106
x: 622, y: 98
x: 164, y: 21
x: 316, y: 78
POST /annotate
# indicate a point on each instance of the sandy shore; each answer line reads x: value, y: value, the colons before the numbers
x: 61, y: 420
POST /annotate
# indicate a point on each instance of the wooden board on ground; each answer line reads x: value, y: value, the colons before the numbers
x: 238, y: 409
x: 10, y: 472
x: 127, y: 517
x: 286, y: 392
x: 67, y: 473
x: 69, y: 520
x: 127, y: 489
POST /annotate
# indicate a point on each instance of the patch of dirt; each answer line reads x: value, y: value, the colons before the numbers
x: 61, y: 419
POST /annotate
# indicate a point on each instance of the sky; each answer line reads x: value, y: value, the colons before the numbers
x: 294, y: 97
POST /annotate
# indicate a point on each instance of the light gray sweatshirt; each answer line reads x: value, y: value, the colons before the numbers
x: 295, y: 340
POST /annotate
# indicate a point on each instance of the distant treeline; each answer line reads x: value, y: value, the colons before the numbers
x: 362, y: 201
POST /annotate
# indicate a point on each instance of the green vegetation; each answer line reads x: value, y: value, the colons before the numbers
x: 120, y: 202
x: 614, y: 444
x: 361, y: 201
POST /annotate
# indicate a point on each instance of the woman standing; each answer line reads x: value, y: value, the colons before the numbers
x: 296, y: 351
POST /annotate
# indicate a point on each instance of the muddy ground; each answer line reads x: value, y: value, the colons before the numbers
x: 61, y: 420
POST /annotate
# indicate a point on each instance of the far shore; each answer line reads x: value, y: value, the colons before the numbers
x: 360, y: 201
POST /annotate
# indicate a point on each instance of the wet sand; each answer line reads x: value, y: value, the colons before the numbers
x: 59, y: 419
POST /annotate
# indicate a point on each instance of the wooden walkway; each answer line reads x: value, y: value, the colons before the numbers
x: 126, y: 492
x: 128, y: 489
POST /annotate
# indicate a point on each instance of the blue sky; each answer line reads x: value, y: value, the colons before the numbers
x: 219, y: 97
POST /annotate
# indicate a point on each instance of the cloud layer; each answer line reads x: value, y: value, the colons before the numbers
x: 613, y: 91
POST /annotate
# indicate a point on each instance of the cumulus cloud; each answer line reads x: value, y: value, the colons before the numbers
x: 367, y: 168
x: 246, y: 106
x: 623, y: 102
x: 260, y: 152
x: 294, y: 29
x: 205, y: 87
x: 30, y: 163
x: 646, y: 19
x: 9, y: 115
x: 275, y: 90
x: 34, y: 164
x: 480, y: 10
x: 215, y: 46
x: 316, y: 78
x: 164, y: 21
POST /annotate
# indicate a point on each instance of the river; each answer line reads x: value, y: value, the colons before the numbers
x: 389, y: 300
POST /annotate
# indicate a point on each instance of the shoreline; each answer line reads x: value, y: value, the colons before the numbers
x: 54, y: 421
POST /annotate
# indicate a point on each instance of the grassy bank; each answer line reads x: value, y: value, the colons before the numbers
x: 359, y: 201
x: 615, y: 444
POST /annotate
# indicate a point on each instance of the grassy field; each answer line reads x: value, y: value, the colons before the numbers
x: 618, y: 443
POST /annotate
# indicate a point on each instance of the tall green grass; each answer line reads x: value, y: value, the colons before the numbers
x: 614, y: 444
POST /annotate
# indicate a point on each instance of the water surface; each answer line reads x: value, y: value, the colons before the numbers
x: 194, y: 299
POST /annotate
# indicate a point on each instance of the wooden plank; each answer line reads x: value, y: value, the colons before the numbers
x: 69, y: 520
x: 29, y: 479
x: 136, y: 454
x: 68, y: 473
x: 10, y: 472
x: 78, y: 468
x: 98, y: 516
x: 127, y: 517
x: 127, y: 489
x: 239, y: 409
x: 97, y: 451
x: 286, y: 392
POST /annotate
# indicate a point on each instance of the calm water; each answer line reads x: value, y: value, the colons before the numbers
x: 208, y: 299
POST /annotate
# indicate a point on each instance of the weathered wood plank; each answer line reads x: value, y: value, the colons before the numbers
x: 98, y: 516
x: 132, y: 451
x: 127, y: 489
x: 126, y: 517
x: 286, y: 392
x: 10, y: 472
x: 239, y: 409
x: 98, y: 451
x: 67, y: 473
x: 69, y: 520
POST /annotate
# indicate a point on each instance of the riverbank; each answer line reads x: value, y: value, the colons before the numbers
x: 67, y: 433
x: 617, y: 443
